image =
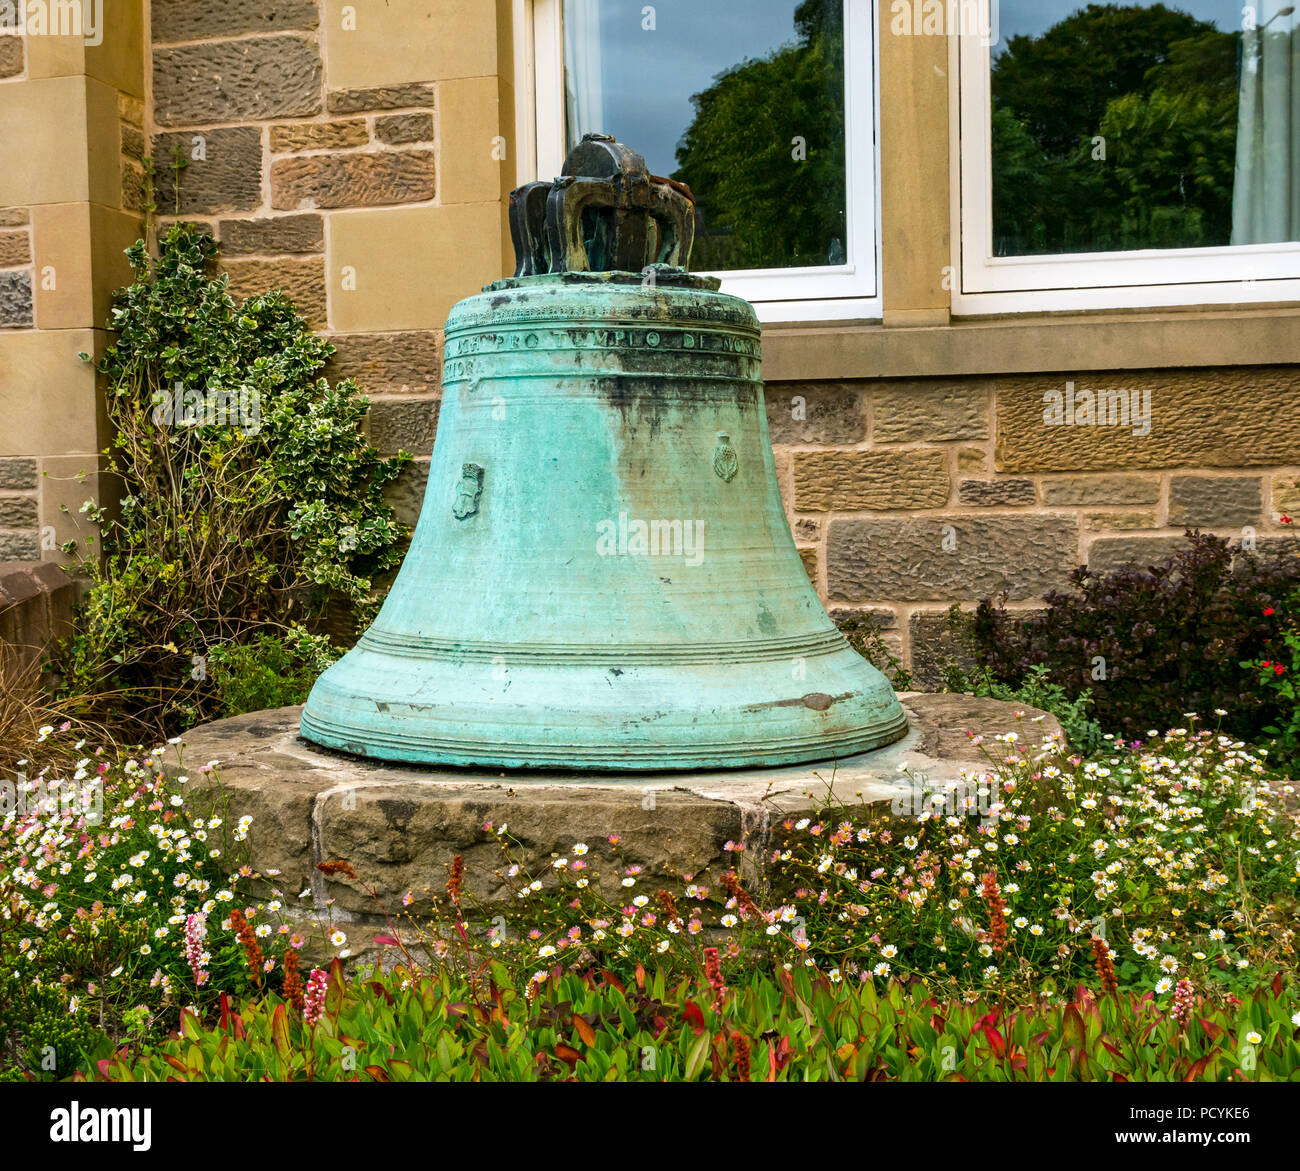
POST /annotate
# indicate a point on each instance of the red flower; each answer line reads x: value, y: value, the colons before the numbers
x: 1105, y: 967
x: 713, y: 968
x: 742, y: 1058
x: 997, y: 912
x: 1267, y: 663
x: 1286, y: 520
x: 292, y: 985
x: 1268, y: 611
x: 1279, y: 669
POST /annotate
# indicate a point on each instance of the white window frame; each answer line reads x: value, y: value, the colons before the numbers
x: 1254, y: 274
x: 850, y: 291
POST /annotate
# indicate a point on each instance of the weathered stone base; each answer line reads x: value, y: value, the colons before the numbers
x: 400, y: 826
x: 36, y: 601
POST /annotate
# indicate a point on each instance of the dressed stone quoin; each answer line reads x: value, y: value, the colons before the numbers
x: 602, y: 577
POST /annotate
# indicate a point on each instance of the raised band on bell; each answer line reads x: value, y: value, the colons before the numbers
x: 602, y: 577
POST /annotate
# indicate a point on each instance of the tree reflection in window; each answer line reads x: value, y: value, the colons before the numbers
x: 764, y: 154
x: 1115, y: 129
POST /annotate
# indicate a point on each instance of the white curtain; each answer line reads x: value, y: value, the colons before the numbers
x: 584, y: 104
x: 1266, y: 192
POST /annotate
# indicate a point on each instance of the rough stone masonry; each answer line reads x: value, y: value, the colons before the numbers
x: 400, y: 826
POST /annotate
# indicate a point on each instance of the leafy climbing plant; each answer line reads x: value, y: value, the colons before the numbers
x: 249, y: 504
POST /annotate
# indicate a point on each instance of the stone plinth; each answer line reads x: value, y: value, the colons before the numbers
x: 36, y: 601
x: 399, y: 826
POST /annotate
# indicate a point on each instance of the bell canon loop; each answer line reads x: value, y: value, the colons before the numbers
x: 602, y: 577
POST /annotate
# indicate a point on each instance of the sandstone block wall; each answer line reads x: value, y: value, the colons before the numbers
x: 72, y: 125
x: 909, y: 495
x: 356, y: 157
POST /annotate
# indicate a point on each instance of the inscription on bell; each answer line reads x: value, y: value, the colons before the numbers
x: 620, y: 339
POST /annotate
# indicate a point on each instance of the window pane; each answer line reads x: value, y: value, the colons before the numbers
x: 1140, y: 125
x: 742, y: 102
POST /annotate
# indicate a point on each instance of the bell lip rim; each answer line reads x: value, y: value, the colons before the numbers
x: 862, y: 741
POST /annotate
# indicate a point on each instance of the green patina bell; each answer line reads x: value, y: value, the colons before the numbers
x: 602, y: 577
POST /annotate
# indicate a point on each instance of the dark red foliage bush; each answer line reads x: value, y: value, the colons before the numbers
x: 1152, y: 644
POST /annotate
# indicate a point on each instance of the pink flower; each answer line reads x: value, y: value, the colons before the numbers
x: 314, y: 997
x: 196, y: 930
x: 713, y: 969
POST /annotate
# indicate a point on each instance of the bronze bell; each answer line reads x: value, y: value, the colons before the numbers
x: 602, y: 577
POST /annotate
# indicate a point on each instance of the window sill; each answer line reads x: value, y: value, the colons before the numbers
x: 1138, y: 340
